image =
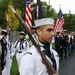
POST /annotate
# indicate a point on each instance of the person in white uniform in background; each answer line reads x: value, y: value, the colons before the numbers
x: 12, y: 53
x: 3, y: 50
x: 31, y: 62
x: 21, y: 46
x: 6, y: 53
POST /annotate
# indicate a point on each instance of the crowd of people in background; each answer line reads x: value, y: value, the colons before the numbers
x: 65, y: 43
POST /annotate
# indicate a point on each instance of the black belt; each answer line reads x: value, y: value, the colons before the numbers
x: 20, y: 52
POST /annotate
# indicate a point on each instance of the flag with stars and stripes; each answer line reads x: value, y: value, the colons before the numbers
x: 28, y: 13
x: 59, y: 23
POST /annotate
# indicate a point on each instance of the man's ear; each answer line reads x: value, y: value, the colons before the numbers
x: 38, y: 31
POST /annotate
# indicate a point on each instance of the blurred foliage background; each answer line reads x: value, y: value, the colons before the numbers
x: 19, y: 5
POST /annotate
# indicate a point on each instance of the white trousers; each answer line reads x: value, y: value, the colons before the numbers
x: 4, y: 71
x: 18, y: 58
x: 8, y: 65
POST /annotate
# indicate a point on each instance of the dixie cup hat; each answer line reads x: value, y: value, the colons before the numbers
x: 22, y: 33
x: 44, y: 21
x: 4, y: 32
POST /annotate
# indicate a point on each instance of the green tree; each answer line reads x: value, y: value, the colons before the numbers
x: 3, y: 8
x: 13, y: 22
x: 48, y: 11
x: 20, y: 4
x: 69, y: 22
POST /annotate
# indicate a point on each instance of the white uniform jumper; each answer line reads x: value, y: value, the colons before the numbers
x: 4, y: 55
x: 31, y: 63
x: 20, y: 47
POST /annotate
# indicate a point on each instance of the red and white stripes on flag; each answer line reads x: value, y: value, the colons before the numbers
x: 28, y: 13
x: 59, y: 22
x: 59, y: 25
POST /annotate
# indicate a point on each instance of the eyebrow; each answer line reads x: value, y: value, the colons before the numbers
x: 50, y: 29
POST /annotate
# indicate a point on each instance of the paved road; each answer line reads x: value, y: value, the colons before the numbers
x: 67, y: 66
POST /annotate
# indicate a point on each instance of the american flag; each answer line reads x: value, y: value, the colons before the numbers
x: 59, y: 22
x: 28, y: 13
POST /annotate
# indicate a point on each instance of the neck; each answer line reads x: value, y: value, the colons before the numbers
x: 21, y: 40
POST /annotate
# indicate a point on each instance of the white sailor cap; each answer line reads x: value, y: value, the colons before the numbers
x: 44, y: 21
x: 4, y: 32
x: 22, y: 33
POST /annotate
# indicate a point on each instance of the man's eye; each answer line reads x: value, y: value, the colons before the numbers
x: 49, y: 30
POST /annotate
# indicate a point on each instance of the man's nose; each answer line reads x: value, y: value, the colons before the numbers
x: 52, y: 33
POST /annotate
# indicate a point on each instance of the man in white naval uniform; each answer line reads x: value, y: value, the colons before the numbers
x: 31, y: 62
x: 21, y: 46
x: 5, y: 53
x: 10, y: 51
x: 3, y: 49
